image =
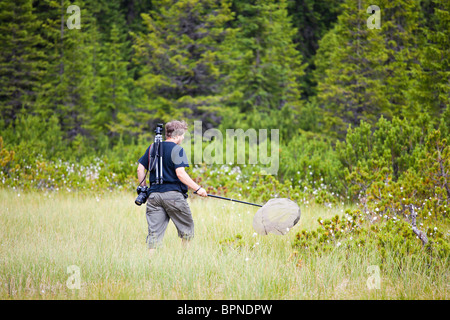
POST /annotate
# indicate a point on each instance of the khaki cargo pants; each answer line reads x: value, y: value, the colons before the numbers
x: 163, y: 206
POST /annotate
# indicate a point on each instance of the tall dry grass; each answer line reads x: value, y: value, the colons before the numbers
x: 42, y: 234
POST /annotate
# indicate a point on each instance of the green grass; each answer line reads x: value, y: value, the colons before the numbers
x: 42, y: 234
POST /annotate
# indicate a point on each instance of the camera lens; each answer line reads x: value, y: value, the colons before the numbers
x: 140, y: 199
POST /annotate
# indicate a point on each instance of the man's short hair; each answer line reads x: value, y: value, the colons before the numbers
x: 175, y: 128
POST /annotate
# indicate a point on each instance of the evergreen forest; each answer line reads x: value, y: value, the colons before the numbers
x: 358, y: 91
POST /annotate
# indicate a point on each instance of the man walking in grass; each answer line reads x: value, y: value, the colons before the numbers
x: 168, y: 200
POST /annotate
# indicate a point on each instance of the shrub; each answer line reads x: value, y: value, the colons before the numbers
x: 308, y: 160
x: 385, y: 235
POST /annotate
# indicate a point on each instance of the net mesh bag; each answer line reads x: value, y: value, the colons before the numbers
x: 277, y: 216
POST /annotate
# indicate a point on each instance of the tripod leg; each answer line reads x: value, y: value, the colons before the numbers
x: 161, y: 162
x: 156, y: 161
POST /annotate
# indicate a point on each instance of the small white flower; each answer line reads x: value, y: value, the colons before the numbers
x: 338, y: 244
x: 246, y: 259
x: 435, y: 228
x: 254, y: 234
x: 351, y: 238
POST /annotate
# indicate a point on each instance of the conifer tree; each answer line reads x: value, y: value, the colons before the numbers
x: 370, y: 70
x: 74, y: 93
x: 350, y: 85
x: 52, y: 16
x: 107, y: 13
x: 400, y: 29
x: 70, y: 80
x: 21, y: 58
x: 264, y: 69
x: 179, y: 59
x: 431, y: 93
x: 112, y: 96
x: 312, y: 19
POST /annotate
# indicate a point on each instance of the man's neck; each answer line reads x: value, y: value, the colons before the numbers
x: 171, y: 140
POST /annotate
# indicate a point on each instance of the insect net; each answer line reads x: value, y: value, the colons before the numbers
x: 277, y: 216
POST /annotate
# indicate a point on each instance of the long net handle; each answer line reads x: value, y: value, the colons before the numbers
x: 229, y: 199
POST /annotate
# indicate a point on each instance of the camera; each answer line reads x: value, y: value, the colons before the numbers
x: 159, y: 128
x: 142, y: 195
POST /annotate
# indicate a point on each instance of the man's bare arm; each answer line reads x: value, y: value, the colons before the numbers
x: 141, y: 175
x: 187, y: 180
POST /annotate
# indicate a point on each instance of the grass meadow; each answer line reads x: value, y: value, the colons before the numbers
x: 43, y: 234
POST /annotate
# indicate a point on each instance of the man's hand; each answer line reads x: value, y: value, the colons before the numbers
x: 202, y: 192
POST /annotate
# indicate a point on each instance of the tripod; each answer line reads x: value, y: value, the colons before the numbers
x: 156, y: 162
